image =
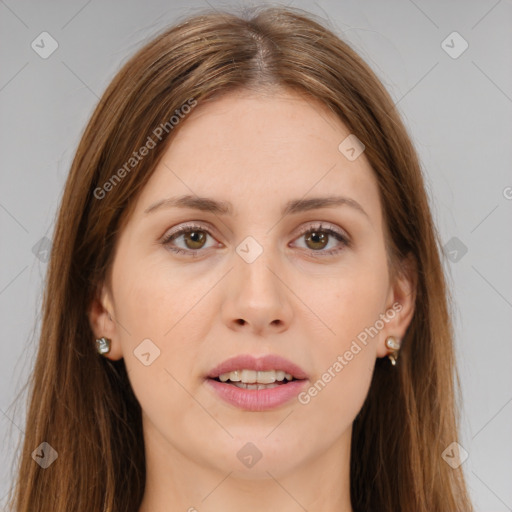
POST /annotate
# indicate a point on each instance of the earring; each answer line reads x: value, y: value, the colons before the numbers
x: 393, y: 344
x: 103, y: 345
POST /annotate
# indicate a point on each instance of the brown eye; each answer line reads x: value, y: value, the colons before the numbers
x: 190, y: 240
x: 194, y: 239
x: 316, y: 240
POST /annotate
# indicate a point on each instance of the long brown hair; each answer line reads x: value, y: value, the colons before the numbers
x: 83, y: 405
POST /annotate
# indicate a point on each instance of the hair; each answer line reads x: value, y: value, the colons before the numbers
x: 83, y: 405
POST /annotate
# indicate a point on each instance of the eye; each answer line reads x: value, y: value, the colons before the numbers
x: 194, y: 238
x: 318, y: 237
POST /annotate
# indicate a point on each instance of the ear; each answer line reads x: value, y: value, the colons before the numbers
x: 400, y: 303
x: 102, y: 321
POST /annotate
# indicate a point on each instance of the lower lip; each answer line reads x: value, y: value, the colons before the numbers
x: 257, y: 399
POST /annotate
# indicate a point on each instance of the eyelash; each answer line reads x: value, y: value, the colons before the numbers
x: 195, y: 227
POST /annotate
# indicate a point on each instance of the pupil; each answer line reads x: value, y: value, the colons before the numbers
x: 196, y: 236
x: 318, y: 238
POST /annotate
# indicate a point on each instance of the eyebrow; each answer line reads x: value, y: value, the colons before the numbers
x: 293, y: 206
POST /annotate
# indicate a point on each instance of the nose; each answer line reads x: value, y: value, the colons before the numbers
x: 257, y: 300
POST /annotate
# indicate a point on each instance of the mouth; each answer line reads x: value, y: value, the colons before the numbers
x: 257, y: 384
x: 252, y: 379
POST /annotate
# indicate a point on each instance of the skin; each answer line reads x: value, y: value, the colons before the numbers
x: 256, y: 151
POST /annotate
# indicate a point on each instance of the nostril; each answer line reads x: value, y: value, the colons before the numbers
x: 240, y: 321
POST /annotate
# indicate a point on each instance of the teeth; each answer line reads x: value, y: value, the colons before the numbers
x: 255, y: 386
x: 249, y: 376
x: 232, y: 376
x: 254, y: 377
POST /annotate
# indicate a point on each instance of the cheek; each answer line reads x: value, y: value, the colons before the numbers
x: 160, y: 320
x: 335, y: 398
x: 161, y: 314
x: 352, y: 302
x: 154, y: 299
x: 345, y: 363
x: 350, y: 305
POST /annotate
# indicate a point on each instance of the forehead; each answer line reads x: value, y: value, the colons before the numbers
x: 255, y: 150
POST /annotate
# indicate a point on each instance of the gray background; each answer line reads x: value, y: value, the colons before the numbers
x: 458, y: 111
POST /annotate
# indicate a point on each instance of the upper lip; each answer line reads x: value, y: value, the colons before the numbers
x: 249, y: 362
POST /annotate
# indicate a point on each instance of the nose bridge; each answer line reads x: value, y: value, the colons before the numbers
x: 256, y: 259
x: 258, y: 297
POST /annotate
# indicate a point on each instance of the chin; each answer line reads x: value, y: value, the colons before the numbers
x: 256, y: 452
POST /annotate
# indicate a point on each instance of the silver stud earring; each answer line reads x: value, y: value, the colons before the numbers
x: 394, y: 345
x: 103, y: 345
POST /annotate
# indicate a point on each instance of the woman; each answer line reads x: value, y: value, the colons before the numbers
x: 245, y: 305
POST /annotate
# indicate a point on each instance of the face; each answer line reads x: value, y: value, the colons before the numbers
x: 263, y: 272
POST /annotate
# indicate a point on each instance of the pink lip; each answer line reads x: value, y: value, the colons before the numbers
x: 257, y: 399
x: 248, y: 362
